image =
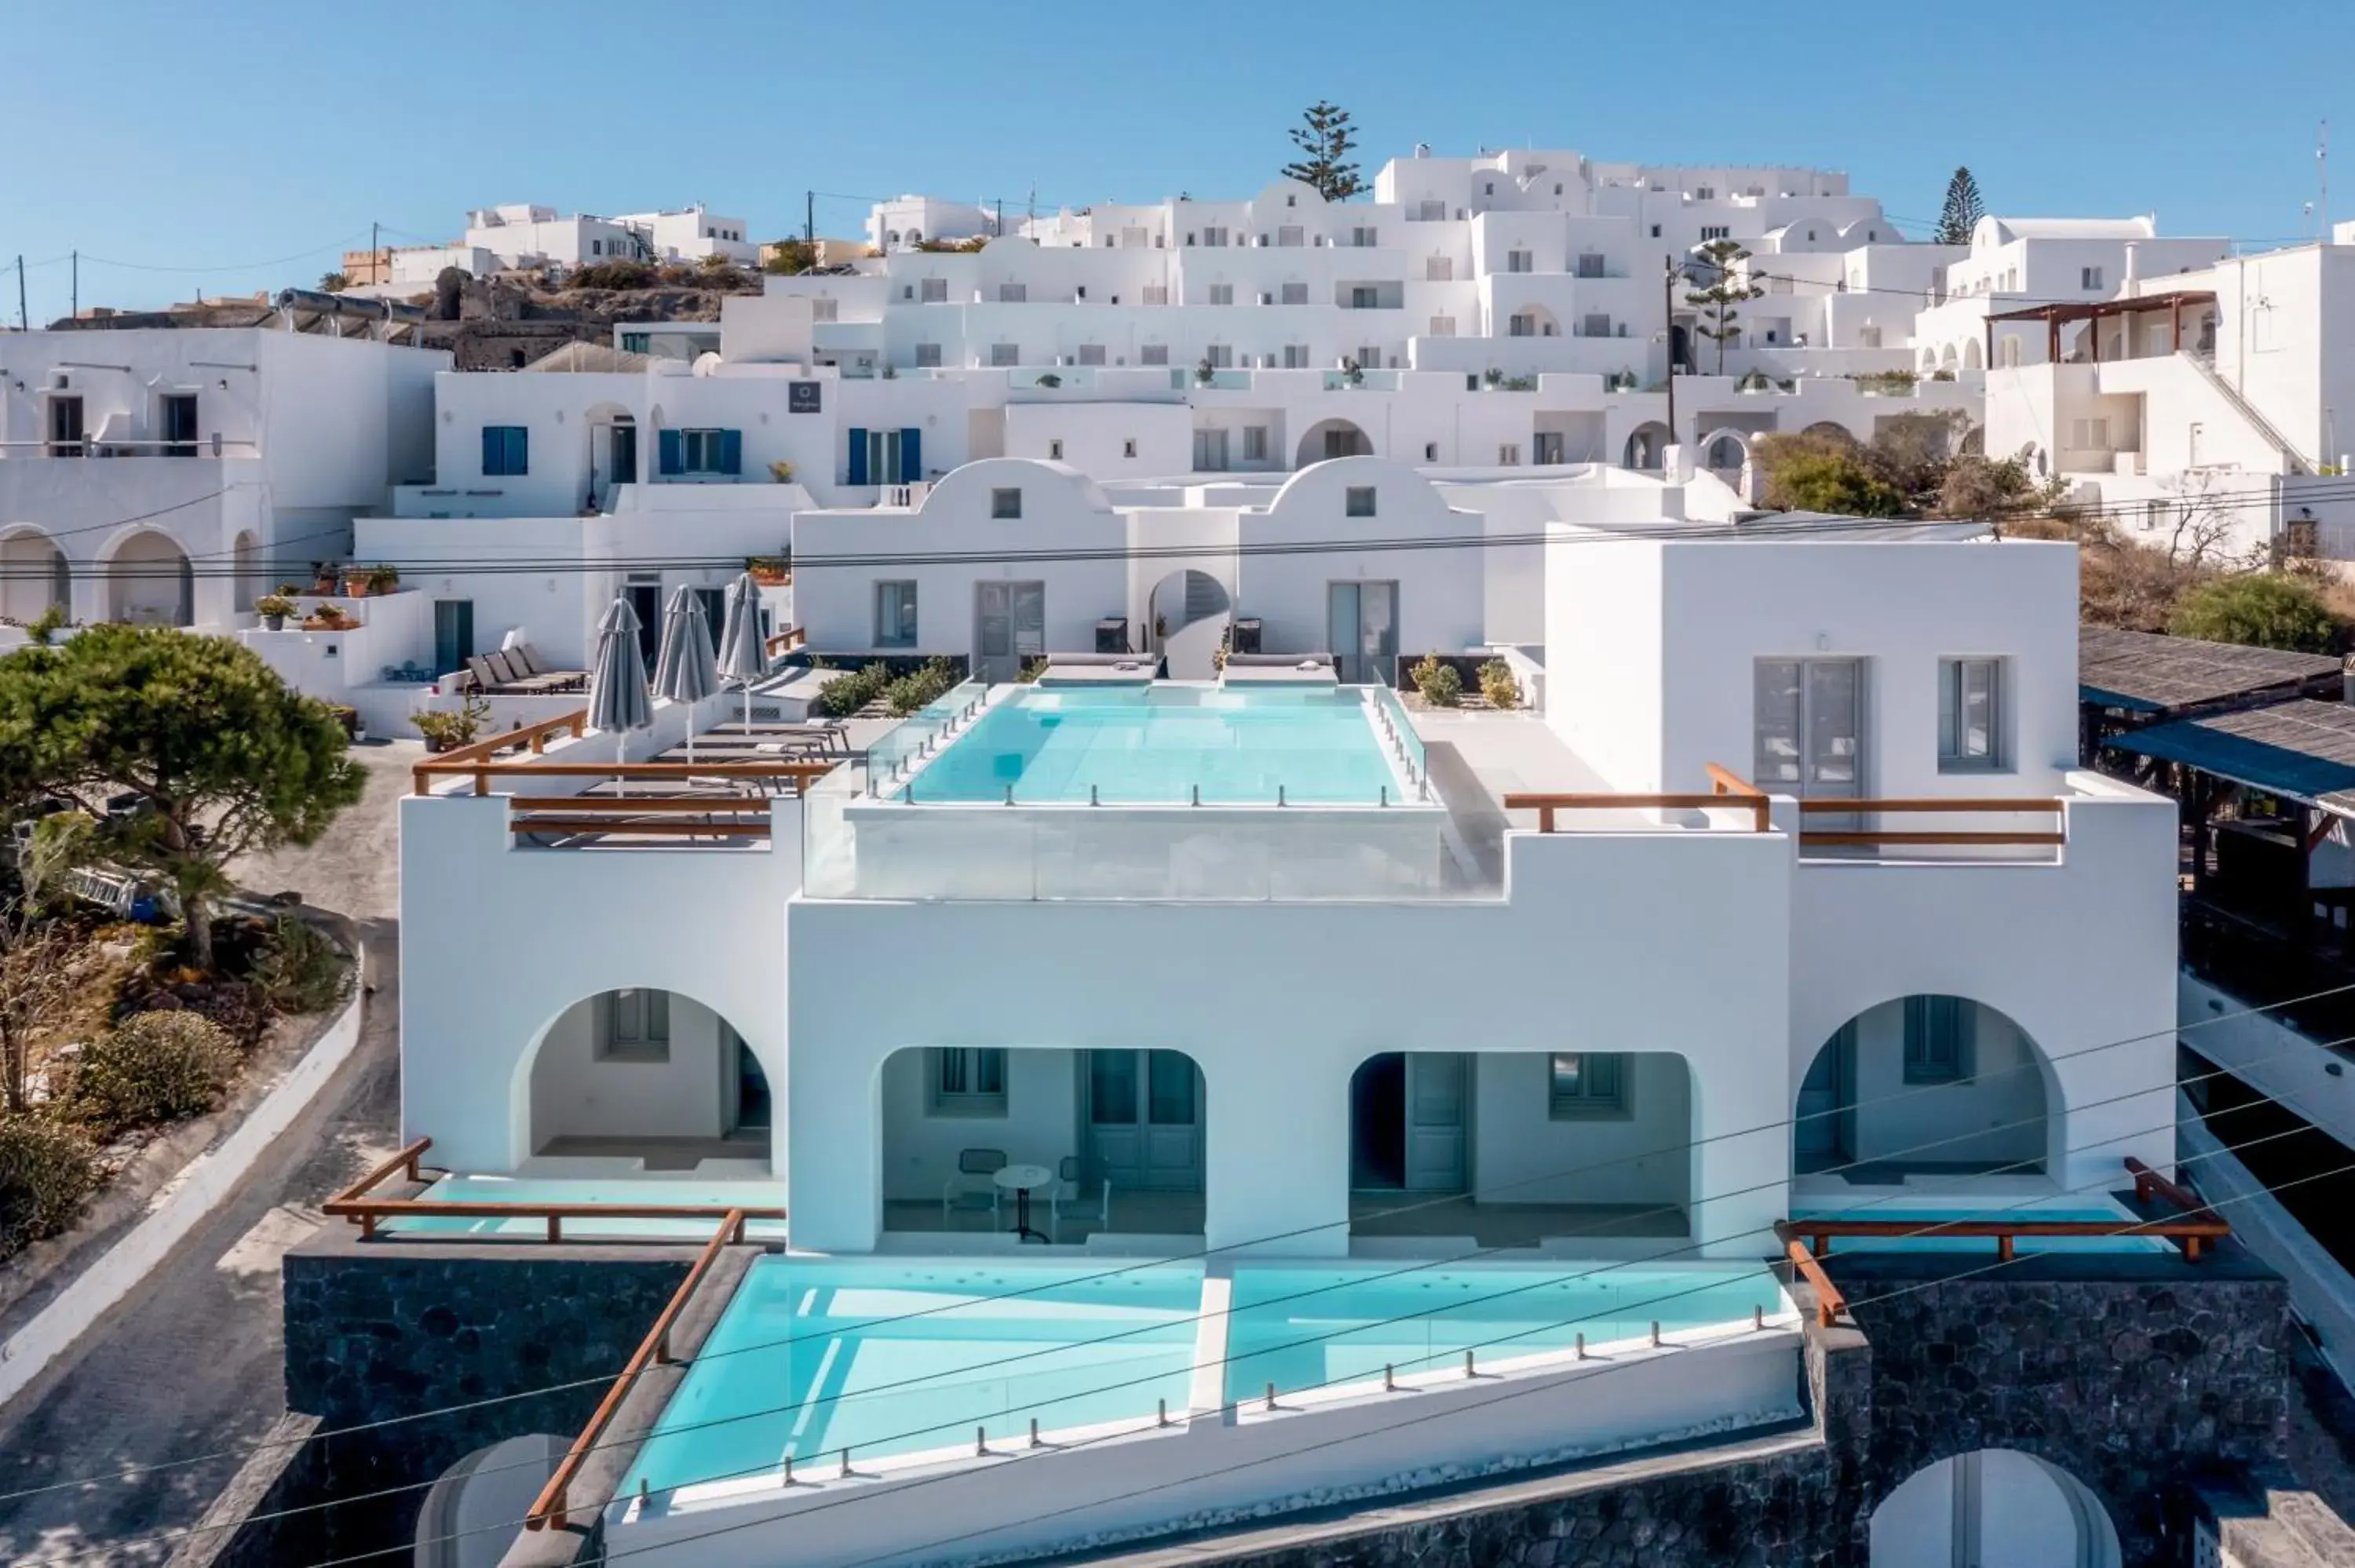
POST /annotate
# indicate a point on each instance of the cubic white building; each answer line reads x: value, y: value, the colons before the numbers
x: 528, y: 237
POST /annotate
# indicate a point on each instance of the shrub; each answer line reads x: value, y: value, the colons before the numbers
x: 913, y: 690
x: 614, y: 275
x: 46, y: 1171
x: 1034, y: 668
x: 845, y: 695
x: 1441, y: 686
x: 2260, y: 610
x: 153, y: 1067
x: 1497, y: 684
x: 300, y: 968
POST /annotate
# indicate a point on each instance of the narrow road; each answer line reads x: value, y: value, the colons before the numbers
x: 189, y: 1363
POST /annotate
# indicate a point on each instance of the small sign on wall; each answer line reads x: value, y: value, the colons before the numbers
x: 802, y: 397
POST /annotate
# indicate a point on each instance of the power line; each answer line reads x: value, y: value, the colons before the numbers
x: 2035, y: 1063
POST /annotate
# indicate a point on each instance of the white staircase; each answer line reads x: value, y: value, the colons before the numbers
x: 2294, y: 460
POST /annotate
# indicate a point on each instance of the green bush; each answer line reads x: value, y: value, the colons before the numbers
x: 845, y: 695
x: 1441, y: 686
x: 1497, y: 684
x: 2259, y: 609
x: 300, y: 969
x: 46, y: 1173
x: 153, y: 1068
x: 614, y: 275
x: 913, y: 690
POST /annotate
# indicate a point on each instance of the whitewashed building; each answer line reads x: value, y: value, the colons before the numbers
x: 527, y: 236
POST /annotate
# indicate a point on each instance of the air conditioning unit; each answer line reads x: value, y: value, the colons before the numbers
x: 1265, y: 298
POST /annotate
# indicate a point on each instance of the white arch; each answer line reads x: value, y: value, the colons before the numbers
x: 1855, y: 1100
x: 1328, y: 439
x: 1646, y: 447
x: 1726, y: 449
x: 150, y: 580
x: 34, y: 574
x: 608, y: 1067
x: 1971, y: 355
x: 1993, y: 1506
x: 245, y: 554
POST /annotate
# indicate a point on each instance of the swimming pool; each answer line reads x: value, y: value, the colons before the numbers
x: 622, y: 1191
x: 1303, y: 1327
x: 813, y: 1356
x: 1158, y: 744
x: 1936, y: 1242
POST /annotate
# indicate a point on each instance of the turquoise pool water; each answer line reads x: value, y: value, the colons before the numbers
x: 803, y: 1361
x: 1154, y: 744
x: 619, y: 1190
x: 1302, y: 1327
x: 1938, y: 1243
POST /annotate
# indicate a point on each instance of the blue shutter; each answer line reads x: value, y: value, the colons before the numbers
x: 518, y: 449
x: 858, y: 457
x: 911, y: 456
x: 732, y: 451
x: 668, y: 456
x: 495, y: 451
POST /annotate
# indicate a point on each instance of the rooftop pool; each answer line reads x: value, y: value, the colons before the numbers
x: 626, y: 1192
x: 1159, y: 744
x: 813, y: 1356
x: 1933, y: 1240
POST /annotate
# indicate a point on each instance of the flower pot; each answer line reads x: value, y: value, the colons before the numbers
x: 273, y: 623
x: 355, y: 588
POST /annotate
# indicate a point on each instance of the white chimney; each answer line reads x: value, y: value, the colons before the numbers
x: 2133, y: 277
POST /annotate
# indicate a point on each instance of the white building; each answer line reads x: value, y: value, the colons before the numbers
x: 171, y: 476
x: 1353, y: 997
x: 527, y: 235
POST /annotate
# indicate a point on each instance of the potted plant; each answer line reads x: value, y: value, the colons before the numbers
x: 1353, y: 373
x: 356, y: 583
x: 329, y: 617
x: 326, y: 576
x: 273, y: 608
x: 445, y: 729
x: 1203, y: 372
x: 770, y: 571
x: 383, y: 577
x: 1049, y: 380
x: 782, y: 472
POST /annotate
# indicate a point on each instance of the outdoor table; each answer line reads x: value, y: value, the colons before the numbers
x: 1019, y: 1180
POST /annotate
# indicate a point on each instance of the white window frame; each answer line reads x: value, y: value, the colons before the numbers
x: 1254, y: 443
x: 699, y: 451
x: 966, y: 1081
x: 1222, y: 294
x: 902, y: 592
x: 932, y: 291
x: 633, y: 1025
x: 1357, y: 501
x: 928, y: 356
x: 2089, y: 279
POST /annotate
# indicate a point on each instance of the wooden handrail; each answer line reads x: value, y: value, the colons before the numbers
x: 405, y: 1161
x: 785, y: 642
x: 1829, y: 1302
x: 1882, y: 838
x: 736, y: 803
x: 369, y: 1213
x: 734, y: 828
x: 1819, y: 805
x: 469, y: 758
x: 1725, y: 782
x: 2190, y: 1232
x: 1545, y: 806
x: 733, y: 768
x: 549, y: 1509
x: 2148, y: 1183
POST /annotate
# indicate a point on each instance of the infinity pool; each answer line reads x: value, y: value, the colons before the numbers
x: 1158, y: 744
x: 1935, y: 1241
x: 813, y: 1356
x: 622, y: 1190
x: 1305, y: 1328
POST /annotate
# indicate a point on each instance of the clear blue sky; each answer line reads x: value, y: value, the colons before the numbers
x: 243, y: 143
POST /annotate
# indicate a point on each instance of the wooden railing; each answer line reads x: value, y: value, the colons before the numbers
x: 1829, y: 1302
x: 354, y: 1203
x: 475, y: 758
x: 551, y: 1510
x: 1545, y: 806
x: 785, y: 642
x: 738, y: 817
x: 2149, y: 1184
x: 406, y: 1162
x: 1879, y: 837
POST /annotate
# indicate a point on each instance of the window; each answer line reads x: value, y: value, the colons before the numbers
x: 1214, y: 235
x: 1587, y: 1084
x: 1590, y: 264
x: 825, y: 310
x: 1006, y: 503
x: 1596, y: 324
x: 1970, y: 716
x: 1002, y: 355
x: 1548, y: 447
x: 1055, y: 449
x: 1220, y: 356
x: 1430, y: 211
x: 1153, y: 353
x: 1364, y: 297
x: 1254, y: 443
x: 932, y: 291
x: 1439, y: 270
x: 1939, y: 1040
x: 928, y: 356
x: 1357, y: 501
x: 1222, y: 294
x: 1523, y: 326
x: 633, y: 1026
x: 1369, y: 356
x: 2089, y: 435
x: 1710, y: 231
x: 1290, y: 234
x: 1443, y: 326
x: 1431, y: 451
x: 1295, y: 357
x: 1508, y: 454
x: 706, y: 451
x: 2088, y: 278
x: 968, y: 1082
x: 506, y: 451
x: 1296, y: 293
x: 1128, y: 446
x: 1705, y: 193
x: 1362, y: 238
x: 179, y: 419
x: 1092, y: 353
x: 895, y: 615
x: 1656, y: 231
x: 1013, y: 293
x: 1520, y: 261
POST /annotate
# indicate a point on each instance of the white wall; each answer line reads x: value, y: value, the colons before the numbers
x: 1519, y: 1152
x: 1040, y: 1126
x: 576, y: 1091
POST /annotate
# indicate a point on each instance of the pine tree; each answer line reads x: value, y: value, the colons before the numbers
x: 1962, y: 212
x: 1719, y: 320
x: 1326, y: 143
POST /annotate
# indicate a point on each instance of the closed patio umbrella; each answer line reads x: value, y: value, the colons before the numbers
x: 684, y: 665
x: 617, y: 680
x: 744, y: 655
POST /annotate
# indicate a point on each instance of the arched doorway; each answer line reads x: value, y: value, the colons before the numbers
x: 1971, y: 353
x: 1329, y: 439
x: 1831, y: 430
x: 651, y: 1074
x: 150, y: 582
x: 1186, y: 618
x: 1725, y: 451
x: 1926, y: 1085
x: 34, y: 576
x: 246, y: 557
x: 1996, y: 1507
x: 1647, y: 447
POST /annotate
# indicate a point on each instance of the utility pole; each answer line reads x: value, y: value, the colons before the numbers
x: 22, y: 325
x: 2322, y: 174
x: 809, y: 219
x: 1668, y: 336
x: 75, y: 308
x: 376, y: 268
x: 998, y: 226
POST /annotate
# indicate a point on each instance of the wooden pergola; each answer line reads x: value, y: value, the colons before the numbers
x: 2056, y: 316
